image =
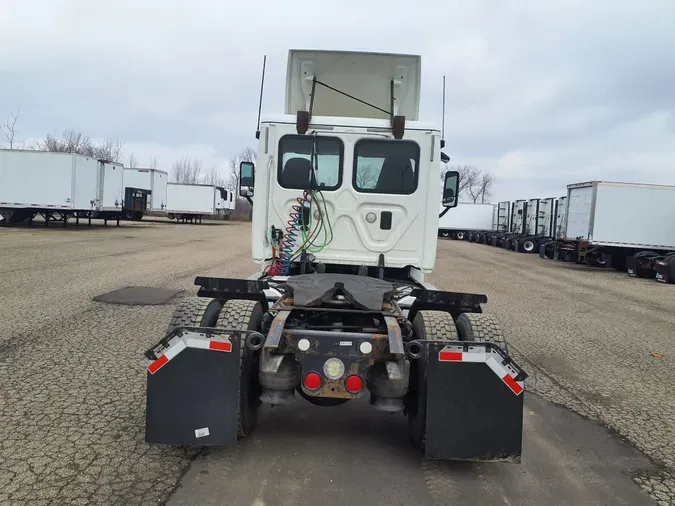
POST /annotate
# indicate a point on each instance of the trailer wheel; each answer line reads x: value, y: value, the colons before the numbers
x: 641, y: 270
x: 245, y: 315
x: 459, y: 235
x: 432, y: 326
x: 482, y: 328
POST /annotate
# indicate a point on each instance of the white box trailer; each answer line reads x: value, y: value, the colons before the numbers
x: 502, y: 217
x: 153, y: 180
x: 619, y: 224
x: 58, y: 185
x: 193, y: 201
x: 465, y: 218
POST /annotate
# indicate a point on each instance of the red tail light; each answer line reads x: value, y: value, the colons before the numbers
x: 312, y: 381
x: 354, y: 384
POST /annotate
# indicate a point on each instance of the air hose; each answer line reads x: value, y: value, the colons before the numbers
x: 293, y: 227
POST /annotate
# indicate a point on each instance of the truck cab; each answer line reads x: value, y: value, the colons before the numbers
x: 365, y: 167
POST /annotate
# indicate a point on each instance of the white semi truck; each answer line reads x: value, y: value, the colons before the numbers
x: 58, y: 186
x: 145, y: 190
x: 191, y: 202
x: 621, y: 225
x: 345, y: 229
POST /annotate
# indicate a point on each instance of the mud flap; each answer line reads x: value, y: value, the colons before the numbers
x: 193, y: 388
x: 474, y: 403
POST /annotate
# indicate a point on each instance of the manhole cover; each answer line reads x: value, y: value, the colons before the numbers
x: 138, y: 295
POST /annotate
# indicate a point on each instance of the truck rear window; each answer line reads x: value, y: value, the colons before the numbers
x: 386, y: 166
x: 295, y: 167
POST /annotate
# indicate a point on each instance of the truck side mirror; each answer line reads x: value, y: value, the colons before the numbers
x: 450, y: 189
x: 246, y: 178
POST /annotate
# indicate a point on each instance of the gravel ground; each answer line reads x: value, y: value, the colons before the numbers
x: 72, y: 387
x: 593, y: 340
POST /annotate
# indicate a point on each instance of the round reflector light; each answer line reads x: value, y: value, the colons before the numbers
x: 312, y: 381
x: 354, y: 384
x: 333, y: 368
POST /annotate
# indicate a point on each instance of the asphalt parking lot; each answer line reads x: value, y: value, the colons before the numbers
x: 72, y: 384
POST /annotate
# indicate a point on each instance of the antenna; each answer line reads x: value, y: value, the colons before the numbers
x: 443, y: 119
x: 262, y: 84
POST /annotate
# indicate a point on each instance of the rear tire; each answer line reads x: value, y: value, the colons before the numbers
x: 195, y: 312
x: 245, y: 315
x: 482, y: 328
x: 432, y: 326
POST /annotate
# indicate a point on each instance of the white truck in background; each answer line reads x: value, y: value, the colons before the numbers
x: 621, y: 225
x: 144, y: 191
x: 58, y: 186
x: 467, y: 217
x: 191, y: 202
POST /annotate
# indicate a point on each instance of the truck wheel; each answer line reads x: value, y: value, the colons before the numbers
x: 432, y: 326
x: 527, y: 245
x: 460, y: 236
x: 195, y: 312
x: 482, y: 328
x: 641, y: 270
x: 245, y: 315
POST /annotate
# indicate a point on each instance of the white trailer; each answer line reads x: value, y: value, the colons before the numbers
x: 153, y: 194
x: 58, y: 186
x: 502, y: 217
x: 190, y: 202
x: 467, y: 217
x: 618, y: 225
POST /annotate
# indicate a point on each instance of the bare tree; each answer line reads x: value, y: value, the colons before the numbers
x: 186, y: 170
x: 153, y: 163
x: 76, y: 142
x: 8, y: 132
x: 473, y: 182
x: 214, y: 177
x: 110, y: 150
x: 248, y: 154
x: 132, y: 160
x: 485, y: 186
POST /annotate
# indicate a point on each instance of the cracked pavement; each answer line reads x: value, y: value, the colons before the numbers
x: 72, y: 383
x: 72, y: 371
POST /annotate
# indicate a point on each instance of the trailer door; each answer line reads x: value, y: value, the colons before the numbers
x: 579, y: 212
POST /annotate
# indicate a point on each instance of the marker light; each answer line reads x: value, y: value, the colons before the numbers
x: 303, y: 344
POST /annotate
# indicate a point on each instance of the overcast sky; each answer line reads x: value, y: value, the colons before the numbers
x: 540, y: 93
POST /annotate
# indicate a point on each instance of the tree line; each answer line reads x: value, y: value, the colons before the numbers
x: 474, y: 184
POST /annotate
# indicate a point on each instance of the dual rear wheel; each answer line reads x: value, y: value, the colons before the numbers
x: 231, y: 314
x: 440, y: 326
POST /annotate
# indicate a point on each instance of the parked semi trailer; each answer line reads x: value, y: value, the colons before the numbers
x: 466, y: 218
x: 621, y: 225
x: 191, y: 202
x: 340, y: 309
x: 540, y: 225
x: 58, y: 186
x: 144, y: 191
